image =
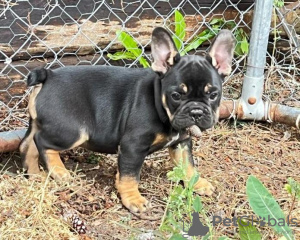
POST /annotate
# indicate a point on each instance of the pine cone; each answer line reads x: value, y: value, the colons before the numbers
x: 78, y: 225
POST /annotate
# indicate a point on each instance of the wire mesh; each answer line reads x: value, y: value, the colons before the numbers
x: 60, y: 33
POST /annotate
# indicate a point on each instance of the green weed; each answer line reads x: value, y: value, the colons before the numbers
x: 293, y: 188
x: 279, y: 3
x: 181, y: 203
x: 132, y: 50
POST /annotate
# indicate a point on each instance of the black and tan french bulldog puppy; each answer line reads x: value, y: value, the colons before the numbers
x: 130, y: 111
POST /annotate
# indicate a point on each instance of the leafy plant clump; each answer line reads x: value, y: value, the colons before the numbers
x: 279, y: 3
x: 181, y: 203
x: 293, y: 188
x: 216, y: 24
x: 133, y: 52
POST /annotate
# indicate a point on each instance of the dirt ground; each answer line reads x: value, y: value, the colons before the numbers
x: 226, y: 155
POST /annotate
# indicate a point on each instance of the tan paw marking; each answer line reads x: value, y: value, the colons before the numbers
x: 130, y: 195
x: 55, y: 166
x: 60, y: 173
x: 203, y: 187
x: 134, y: 201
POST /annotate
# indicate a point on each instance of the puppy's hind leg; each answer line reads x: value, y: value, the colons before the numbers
x: 29, y: 151
x: 49, y: 152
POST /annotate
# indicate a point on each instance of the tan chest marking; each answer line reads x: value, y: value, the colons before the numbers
x: 162, y: 139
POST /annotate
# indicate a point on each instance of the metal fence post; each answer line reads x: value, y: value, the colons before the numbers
x: 251, y: 101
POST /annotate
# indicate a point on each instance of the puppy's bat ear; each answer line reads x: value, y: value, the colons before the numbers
x: 163, y: 51
x: 221, y: 52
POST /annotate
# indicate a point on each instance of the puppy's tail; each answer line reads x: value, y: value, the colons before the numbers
x: 38, y: 75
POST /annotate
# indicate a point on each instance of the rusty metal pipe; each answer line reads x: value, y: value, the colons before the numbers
x: 228, y: 109
x: 273, y: 112
x: 284, y: 114
x: 10, y: 141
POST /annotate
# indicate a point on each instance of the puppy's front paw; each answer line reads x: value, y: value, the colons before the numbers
x: 134, y: 201
x: 131, y: 198
x: 204, y: 187
x: 60, y: 173
x: 55, y: 166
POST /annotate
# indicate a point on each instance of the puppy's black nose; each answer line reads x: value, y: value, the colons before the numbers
x: 196, y: 114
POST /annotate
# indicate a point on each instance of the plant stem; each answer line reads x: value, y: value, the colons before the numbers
x: 168, y: 203
x: 292, y: 206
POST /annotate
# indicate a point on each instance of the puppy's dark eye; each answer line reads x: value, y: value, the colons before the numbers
x: 213, y: 96
x: 176, y: 96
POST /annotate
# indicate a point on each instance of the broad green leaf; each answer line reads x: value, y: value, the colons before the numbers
x: 216, y: 21
x: 204, y: 36
x: 131, y: 45
x: 238, y: 51
x: 197, y: 204
x: 144, y: 62
x: 245, y: 46
x: 179, y: 29
x: 179, y: 25
x: 201, y: 38
x: 265, y: 206
x: 193, y: 180
x: 121, y: 55
x: 247, y: 231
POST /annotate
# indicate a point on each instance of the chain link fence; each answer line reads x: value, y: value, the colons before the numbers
x: 60, y: 33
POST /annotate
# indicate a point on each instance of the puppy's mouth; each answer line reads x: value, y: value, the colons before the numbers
x: 193, y: 121
x: 194, y: 131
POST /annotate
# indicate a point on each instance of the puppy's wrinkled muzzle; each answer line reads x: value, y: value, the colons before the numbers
x: 193, y: 117
x: 196, y: 114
